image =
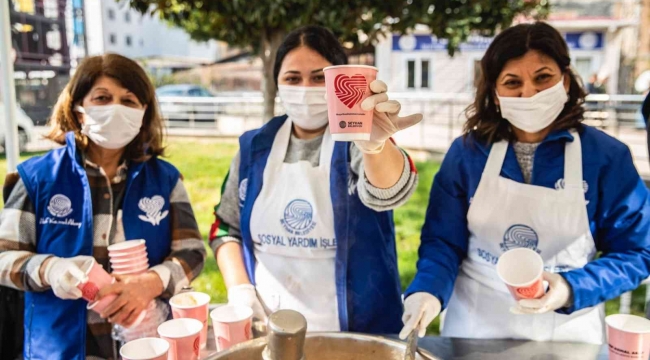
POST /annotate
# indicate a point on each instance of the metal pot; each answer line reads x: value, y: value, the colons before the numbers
x: 286, y: 340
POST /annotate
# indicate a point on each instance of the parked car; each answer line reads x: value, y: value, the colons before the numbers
x: 25, y: 128
x: 183, y: 90
x: 185, y: 103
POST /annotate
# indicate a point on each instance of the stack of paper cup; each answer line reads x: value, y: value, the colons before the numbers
x: 128, y: 257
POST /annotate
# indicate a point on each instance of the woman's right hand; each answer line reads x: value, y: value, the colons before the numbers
x: 419, y: 311
x: 245, y: 294
x: 63, y: 275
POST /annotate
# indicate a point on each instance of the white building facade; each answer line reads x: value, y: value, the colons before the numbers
x: 419, y: 63
x: 115, y: 27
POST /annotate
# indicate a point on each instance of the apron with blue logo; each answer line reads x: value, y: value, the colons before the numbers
x: 292, y: 226
x: 504, y: 215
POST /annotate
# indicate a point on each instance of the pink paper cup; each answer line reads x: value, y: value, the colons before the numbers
x: 125, y: 257
x: 131, y: 264
x: 347, y: 86
x: 628, y: 337
x: 99, y: 306
x: 145, y: 349
x: 521, y: 270
x: 198, y: 311
x: 231, y: 325
x: 131, y: 271
x: 97, y: 279
x: 184, y: 338
x: 126, y: 247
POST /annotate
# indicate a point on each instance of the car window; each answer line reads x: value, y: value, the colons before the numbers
x: 170, y: 92
x: 194, y: 92
x: 206, y: 93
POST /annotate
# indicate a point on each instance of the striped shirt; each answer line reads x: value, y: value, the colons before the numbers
x: 20, y: 265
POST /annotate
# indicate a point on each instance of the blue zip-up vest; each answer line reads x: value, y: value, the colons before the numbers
x: 367, y: 280
x: 58, y: 188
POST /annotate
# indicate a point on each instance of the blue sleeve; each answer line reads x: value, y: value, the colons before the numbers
x: 623, y: 222
x: 444, y: 239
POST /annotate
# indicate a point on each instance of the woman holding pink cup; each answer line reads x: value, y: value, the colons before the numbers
x: 311, y: 185
x: 105, y: 185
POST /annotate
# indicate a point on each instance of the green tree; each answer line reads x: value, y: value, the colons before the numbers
x: 260, y: 25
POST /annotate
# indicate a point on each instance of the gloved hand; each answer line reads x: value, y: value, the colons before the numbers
x: 386, y: 121
x: 419, y: 310
x: 245, y: 294
x: 62, y: 274
x: 559, y: 295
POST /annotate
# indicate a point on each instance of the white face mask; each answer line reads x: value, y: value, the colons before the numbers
x: 111, y: 126
x: 306, y: 106
x: 537, y: 112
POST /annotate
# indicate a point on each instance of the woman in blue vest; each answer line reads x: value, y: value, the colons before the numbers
x: 528, y: 174
x: 105, y: 185
x: 306, y: 223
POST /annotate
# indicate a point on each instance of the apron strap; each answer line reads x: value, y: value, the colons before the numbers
x: 495, y: 159
x: 326, y: 150
x: 573, y: 162
x: 281, y: 143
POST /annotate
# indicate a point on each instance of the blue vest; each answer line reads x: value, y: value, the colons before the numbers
x: 58, y: 188
x: 367, y: 280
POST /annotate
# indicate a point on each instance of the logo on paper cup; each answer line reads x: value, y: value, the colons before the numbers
x: 350, y: 90
x: 89, y: 291
x: 520, y: 236
x: 342, y: 124
x: 196, y: 346
x: 528, y: 292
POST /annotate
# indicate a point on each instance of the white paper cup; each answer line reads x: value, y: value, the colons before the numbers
x: 521, y: 270
x: 145, y: 349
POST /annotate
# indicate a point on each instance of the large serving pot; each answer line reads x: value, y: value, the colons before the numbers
x: 287, y: 340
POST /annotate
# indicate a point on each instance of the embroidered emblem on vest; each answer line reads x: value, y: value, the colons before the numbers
x: 151, y: 207
x: 60, y: 206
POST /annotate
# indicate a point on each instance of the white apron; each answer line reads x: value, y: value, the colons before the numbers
x: 292, y: 226
x: 503, y: 215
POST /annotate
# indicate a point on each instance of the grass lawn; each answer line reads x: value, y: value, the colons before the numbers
x: 204, y: 164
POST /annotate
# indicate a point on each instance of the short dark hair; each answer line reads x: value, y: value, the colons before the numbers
x: 484, y: 119
x: 317, y: 38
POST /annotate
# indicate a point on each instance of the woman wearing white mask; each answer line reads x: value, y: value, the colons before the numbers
x: 304, y: 223
x: 527, y: 173
x: 106, y: 185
